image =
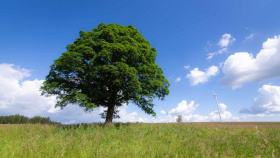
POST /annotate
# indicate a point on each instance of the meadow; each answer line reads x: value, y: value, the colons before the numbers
x: 141, y: 140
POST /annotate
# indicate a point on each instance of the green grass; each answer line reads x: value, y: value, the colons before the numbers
x: 142, y: 140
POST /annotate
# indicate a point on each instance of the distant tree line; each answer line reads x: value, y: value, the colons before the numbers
x: 19, y: 119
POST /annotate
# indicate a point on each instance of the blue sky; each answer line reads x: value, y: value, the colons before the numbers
x: 35, y: 33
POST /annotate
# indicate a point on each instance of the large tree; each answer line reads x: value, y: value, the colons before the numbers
x: 108, y: 66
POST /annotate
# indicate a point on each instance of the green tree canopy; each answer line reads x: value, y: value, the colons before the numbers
x: 108, y: 66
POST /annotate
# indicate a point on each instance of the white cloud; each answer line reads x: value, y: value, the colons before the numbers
x: 250, y: 36
x: 211, y: 55
x: 178, y: 79
x: 225, y: 115
x: 162, y: 112
x: 128, y: 117
x: 18, y: 96
x: 140, y: 119
x: 196, y: 118
x: 221, y: 64
x: 12, y: 72
x: 75, y: 114
x: 226, y: 40
x: 183, y: 108
x: 186, y: 67
x: 187, y: 111
x: 196, y: 76
x: 25, y: 97
x: 267, y: 102
x: 242, y: 67
x: 133, y: 114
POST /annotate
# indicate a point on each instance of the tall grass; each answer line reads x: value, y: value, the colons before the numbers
x: 141, y: 140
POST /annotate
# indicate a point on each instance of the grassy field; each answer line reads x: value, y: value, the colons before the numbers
x: 142, y: 140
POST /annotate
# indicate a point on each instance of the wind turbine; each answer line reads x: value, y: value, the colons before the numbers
x: 215, y: 95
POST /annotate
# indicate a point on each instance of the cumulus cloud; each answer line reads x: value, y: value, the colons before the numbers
x: 187, y: 110
x: 162, y: 112
x: 183, y: 108
x: 225, y: 41
x: 267, y: 102
x: 19, y: 96
x: 178, y: 79
x: 225, y: 115
x: 196, y: 76
x: 186, y: 67
x: 242, y: 67
x: 128, y: 117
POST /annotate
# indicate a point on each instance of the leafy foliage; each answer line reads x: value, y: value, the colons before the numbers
x: 108, y: 66
x: 13, y: 119
x: 19, y: 119
x: 179, y: 118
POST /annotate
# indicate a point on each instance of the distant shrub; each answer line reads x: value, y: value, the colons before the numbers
x: 118, y: 125
x: 179, y: 118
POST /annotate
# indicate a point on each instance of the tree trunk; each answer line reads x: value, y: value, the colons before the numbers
x: 110, y: 114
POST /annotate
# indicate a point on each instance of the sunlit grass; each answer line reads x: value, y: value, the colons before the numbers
x: 142, y: 140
